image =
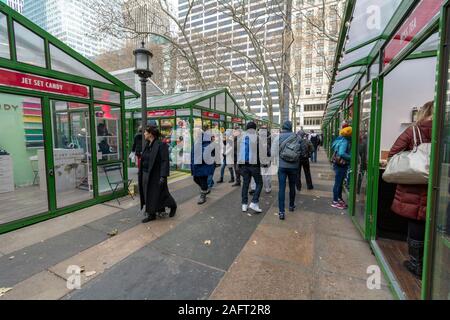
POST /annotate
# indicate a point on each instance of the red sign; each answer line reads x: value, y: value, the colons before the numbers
x: 236, y: 120
x: 417, y: 21
x: 211, y: 115
x: 161, y: 113
x: 27, y: 81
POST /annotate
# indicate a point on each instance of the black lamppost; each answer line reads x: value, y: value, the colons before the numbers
x: 143, y: 69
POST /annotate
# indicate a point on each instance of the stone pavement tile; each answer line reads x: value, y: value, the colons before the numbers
x: 317, y: 193
x: 344, y: 256
x: 294, y: 220
x: 42, y: 286
x: 294, y: 246
x: 259, y: 278
x: 339, y: 287
x: 22, y: 238
x: 151, y: 275
x: 339, y: 225
x: 40, y: 256
x: 317, y: 205
x: 121, y: 221
x: 227, y: 230
x: 106, y: 254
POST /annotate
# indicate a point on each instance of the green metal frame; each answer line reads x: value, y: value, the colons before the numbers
x: 115, y: 85
x: 436, y: 152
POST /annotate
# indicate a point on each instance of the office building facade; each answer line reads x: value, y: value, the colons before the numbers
x: 222, y: 45
x: 15, y: 4
x: 313, y: 57
x: 71, y: 21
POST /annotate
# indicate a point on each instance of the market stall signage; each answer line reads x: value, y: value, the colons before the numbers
x: 212, y: 115
x: 161, y: 113
x: 236, y: 120
x: 31, y: 82
x: 424, y: 12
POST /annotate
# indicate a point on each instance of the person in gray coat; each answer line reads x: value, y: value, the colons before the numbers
x: 286, y: 170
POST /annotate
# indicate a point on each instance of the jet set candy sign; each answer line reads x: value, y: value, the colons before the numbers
x: 26, y: 81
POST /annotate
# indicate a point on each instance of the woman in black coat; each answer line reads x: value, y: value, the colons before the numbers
x: 153, y: 173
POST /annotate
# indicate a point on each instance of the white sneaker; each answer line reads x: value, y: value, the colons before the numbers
x: 268, y: 190
x: 255, y: 207
x: 244, y: 207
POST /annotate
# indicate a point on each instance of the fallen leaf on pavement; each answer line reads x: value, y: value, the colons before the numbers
x: 113, y: 233
x: 249, y: 214
x: 4, y: 290
x: 255, y: 242
x: 90, y: 273
x: 12, y: 257
x: 208, y: 242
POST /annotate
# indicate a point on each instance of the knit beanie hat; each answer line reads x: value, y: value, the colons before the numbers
x: 346, y: 132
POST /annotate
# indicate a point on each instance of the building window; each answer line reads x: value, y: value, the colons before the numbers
x: 308, y: 91
x: 318, y: 90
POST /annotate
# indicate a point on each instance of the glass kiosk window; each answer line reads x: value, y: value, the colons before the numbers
x: 363, y: 149
x: 23, y: 185
x: 440, y: 281
x: 71, y: 152
x: 109, y: 146
x: 4, y: 42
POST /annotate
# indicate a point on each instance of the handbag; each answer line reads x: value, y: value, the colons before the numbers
x: 341, y: 162
x: 410, y: 167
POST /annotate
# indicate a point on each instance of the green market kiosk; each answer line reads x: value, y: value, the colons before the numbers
x: 61, y: 125
x: 390, y: 61
x: 177, y: 115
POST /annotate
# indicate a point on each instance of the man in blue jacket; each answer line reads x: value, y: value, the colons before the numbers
x: 341, y: 161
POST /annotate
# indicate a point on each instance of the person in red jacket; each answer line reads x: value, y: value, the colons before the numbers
x: 410, y: 201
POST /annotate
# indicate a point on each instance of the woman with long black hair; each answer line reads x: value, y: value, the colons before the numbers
x: 153, y: 173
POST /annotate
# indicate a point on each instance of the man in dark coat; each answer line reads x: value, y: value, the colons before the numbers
x: 153, y: 173
x: 200, y: 169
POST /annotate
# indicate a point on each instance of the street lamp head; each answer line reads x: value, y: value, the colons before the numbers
x: 143, y: 62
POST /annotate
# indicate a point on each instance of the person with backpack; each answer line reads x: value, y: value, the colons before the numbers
x: 315, y: 140
x: 306, y: 150
x: 341, y: 160
x: 290, y: 146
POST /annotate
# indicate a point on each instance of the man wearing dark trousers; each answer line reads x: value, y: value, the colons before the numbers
x: 250, y: 167
x: 304, y: 163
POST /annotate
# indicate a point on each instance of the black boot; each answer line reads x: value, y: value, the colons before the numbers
x: 149, y: 218
x: 414, y: 264
x: 173, y: 211
x: 220, y: 181
x: 202, y: 199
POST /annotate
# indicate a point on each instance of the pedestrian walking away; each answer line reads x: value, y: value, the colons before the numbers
x: 227, y: 152
x: 315, y: 140
x: 200, y: 170
x: 250, y: 167
x: 305, y: 155
x: 152, y: 176
x: 290, y: 146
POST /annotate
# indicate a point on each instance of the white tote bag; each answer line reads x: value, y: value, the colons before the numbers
x: 410, y: 167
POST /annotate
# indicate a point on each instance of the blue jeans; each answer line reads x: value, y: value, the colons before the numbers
x: 284, y: 174
x: 211, y: 179
x: 314, y: 156
x: 249, y: 172
x: 341, y: 173
x: 222, y: 171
